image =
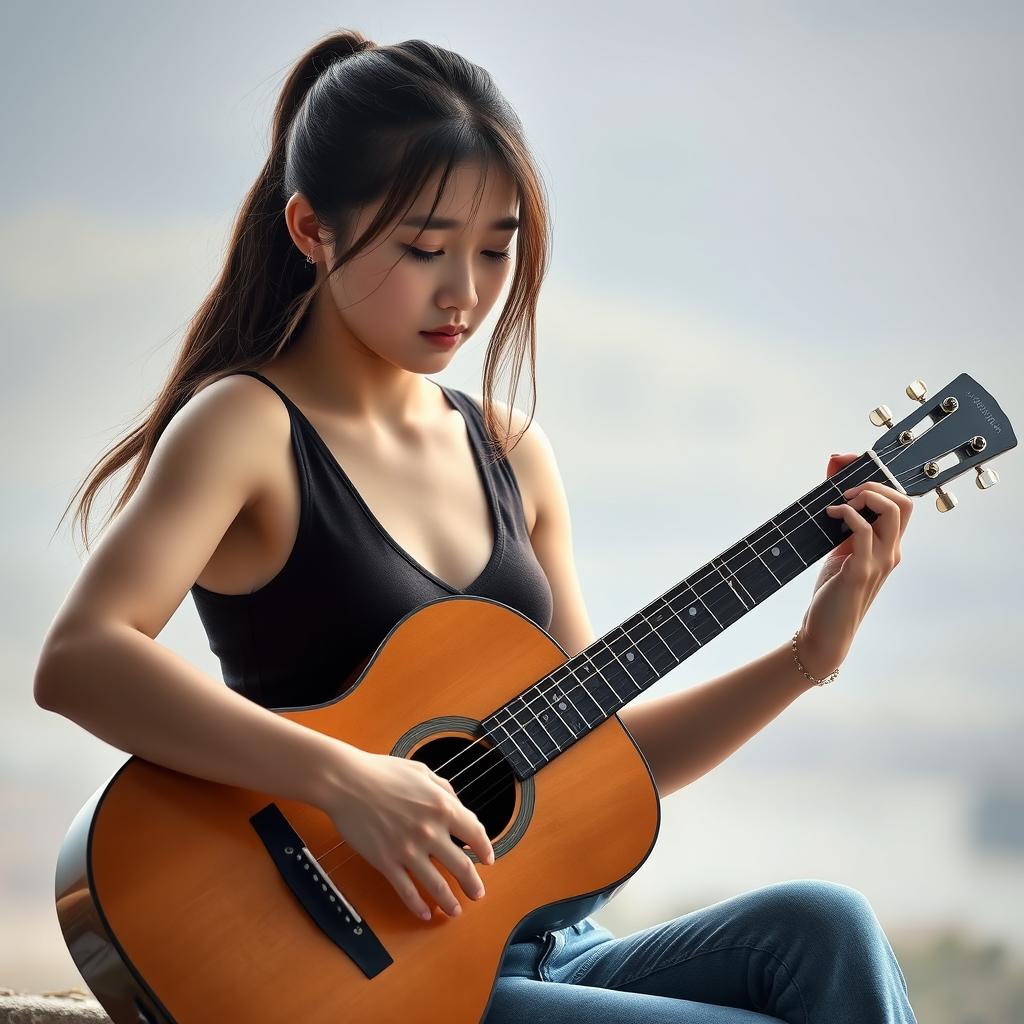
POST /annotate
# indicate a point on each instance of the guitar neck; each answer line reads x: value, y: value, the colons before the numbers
x: 549, y: 716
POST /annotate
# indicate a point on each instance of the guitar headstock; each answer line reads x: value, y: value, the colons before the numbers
x: 958, y: 429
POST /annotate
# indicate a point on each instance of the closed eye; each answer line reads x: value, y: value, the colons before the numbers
x: 425, y: 257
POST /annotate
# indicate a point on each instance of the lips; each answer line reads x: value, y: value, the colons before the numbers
x: 450, y: 329
x: 439, y: 338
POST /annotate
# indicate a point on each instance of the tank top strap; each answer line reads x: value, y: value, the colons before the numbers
x: 475, y: 420
x: 501, y: 476
x: 292, y: 407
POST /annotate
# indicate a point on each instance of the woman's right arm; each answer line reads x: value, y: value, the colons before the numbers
x: 101, y: 666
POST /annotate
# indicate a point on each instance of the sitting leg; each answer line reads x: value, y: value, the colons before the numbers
x: 805, y: 951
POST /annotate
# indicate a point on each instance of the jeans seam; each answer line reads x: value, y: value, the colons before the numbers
x: 718, y: 949
x: 556, y: 941
x: 591, y: 956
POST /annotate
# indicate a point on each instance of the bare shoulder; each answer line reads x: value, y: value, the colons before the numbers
x: 239, y: 414
x: 209, y: 463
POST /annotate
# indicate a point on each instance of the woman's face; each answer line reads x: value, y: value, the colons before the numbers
x: 453, y: 275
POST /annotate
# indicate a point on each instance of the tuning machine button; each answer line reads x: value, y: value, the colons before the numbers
x: 986, y: 477
x: 881, y: 417
x: 945, y: 500
x: 916, y: 390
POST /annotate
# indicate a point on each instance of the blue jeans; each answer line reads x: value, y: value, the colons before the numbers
x: 804, y: 952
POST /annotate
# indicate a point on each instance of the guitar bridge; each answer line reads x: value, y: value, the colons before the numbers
x: 322, y: 900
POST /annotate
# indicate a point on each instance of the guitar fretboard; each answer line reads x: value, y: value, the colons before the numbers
x: 552, y: 714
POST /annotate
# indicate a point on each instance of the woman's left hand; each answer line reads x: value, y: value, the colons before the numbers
x: 853, y: 572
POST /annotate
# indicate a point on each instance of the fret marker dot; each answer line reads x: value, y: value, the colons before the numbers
x: 693, y: 611
x: 629, y: 655
x: 775, y: 551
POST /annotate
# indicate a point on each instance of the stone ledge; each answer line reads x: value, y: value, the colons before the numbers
x: 71, y: 1005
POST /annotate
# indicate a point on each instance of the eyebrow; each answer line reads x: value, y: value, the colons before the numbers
x: 504, y: 224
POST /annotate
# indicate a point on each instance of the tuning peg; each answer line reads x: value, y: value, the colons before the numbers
x: 945, y: 500
x: 882, y: 416
x: 916, y: 390
x: 986, y: 477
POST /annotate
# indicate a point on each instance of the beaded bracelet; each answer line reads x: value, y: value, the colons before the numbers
x: 804, y: 672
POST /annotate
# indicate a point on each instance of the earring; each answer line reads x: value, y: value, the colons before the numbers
x: 309, y: 259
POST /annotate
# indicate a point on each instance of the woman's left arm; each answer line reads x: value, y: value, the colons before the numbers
x: 684, y: 735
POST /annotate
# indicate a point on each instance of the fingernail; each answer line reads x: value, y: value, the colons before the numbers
x: 425, y: 914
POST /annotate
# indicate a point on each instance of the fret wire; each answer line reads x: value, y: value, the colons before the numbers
x: 656, y: 627
x: 623, y: 633
x: 555, y: 710
x: 509, y: 735
x: 608, y: 648
x: 536, y: 718
x: 763, y: 562
x: 725, y: 575
x: 565, y: 695
x: 556, y: 683
x: 681, y: 619
x: 729, y: 585
x: 636, y: 646
x: 789, y: 542
x: 657, y: 630
x: 700, y: 600
x: 579, y: 682
x: 816, y: 523
x: 523, y: 727
x: 597, y: 668
x: 540, y: 721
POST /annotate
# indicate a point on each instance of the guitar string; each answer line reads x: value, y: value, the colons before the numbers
x: 840, y: 477
x: 489, y: 795
x: 579, y: 684
x: 478, y: 801
x: 482, y: 799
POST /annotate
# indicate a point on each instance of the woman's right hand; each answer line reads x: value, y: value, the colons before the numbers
x: 397, y: 814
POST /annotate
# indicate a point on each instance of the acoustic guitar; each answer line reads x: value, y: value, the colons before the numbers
x: 184, y: 900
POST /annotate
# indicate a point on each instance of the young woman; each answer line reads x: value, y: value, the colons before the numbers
x: 303, y: 477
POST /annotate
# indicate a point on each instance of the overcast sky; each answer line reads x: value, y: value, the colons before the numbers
x: 799, y: 207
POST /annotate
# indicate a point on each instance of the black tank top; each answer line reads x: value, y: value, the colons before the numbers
x: 303, y: 637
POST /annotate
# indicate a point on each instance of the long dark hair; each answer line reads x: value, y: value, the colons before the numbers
x: 355, y: 122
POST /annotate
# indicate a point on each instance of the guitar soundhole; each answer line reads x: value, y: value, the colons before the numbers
x: 480, y: 776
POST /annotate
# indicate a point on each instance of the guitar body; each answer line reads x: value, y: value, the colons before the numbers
x: 183, y: 900
x: 174, y: 909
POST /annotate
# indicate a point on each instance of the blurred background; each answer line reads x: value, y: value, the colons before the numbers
x: 798, y: 208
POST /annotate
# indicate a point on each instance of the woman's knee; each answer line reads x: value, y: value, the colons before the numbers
x: 817, y: 906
